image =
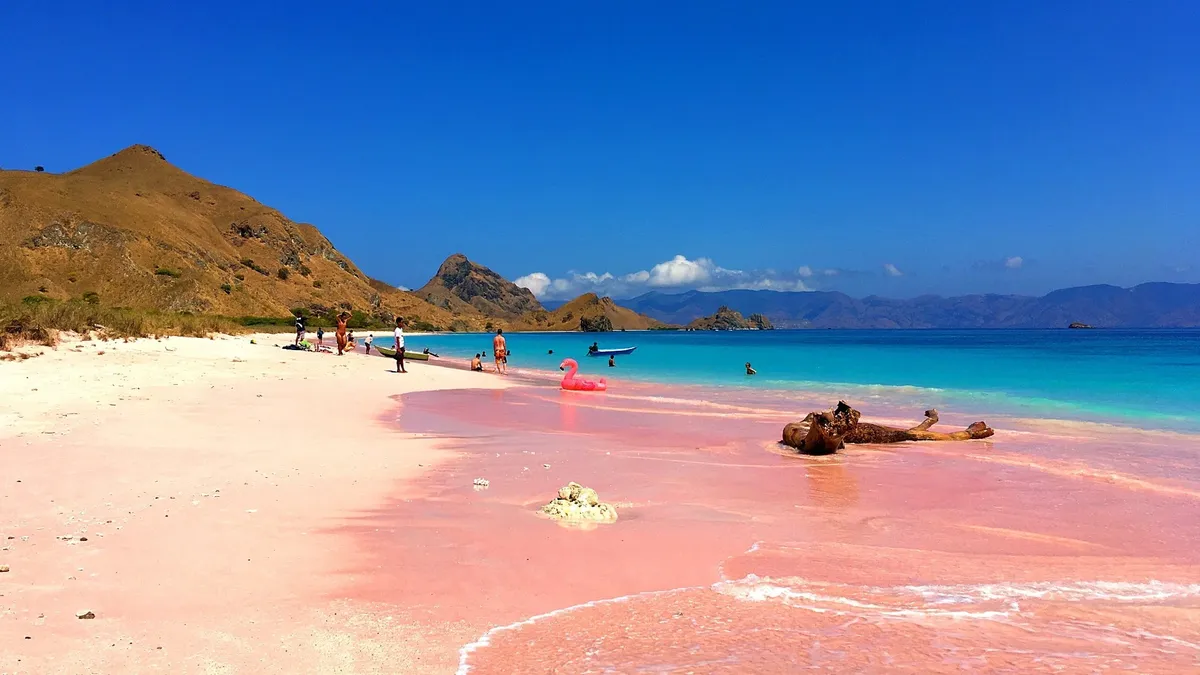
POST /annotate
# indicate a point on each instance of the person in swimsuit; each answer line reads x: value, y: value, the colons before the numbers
x: 612, y: 361
x: 477, y: 364
x: 500, y: 351
x: 341, y: 332
x: 749, y: 370
x: 299, y: 328
x: 320, y: 336
x: 399, y: 335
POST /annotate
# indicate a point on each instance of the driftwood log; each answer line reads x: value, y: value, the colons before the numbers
x: 822, y: 433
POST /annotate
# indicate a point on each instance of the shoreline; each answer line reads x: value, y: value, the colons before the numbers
x: 918, y: 370
x: 250, y: 509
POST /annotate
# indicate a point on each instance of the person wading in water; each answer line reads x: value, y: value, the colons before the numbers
x: 500, y: 351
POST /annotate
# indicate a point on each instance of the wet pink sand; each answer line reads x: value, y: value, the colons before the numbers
x: 1049, y: 548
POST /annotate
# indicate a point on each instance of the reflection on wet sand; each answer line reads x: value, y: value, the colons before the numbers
x: 831, y: 484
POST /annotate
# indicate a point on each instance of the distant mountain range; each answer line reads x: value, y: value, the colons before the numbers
x: 1152, y: 305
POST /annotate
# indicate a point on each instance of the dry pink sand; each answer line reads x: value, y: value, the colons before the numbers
x: 210, y: 479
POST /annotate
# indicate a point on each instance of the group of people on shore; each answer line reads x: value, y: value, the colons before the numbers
x: 346, y: 342
x: 343, y: 335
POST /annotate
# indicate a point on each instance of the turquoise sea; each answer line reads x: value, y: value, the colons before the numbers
x: 1144, y: 377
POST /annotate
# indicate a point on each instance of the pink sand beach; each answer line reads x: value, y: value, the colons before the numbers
x: 251, y: 510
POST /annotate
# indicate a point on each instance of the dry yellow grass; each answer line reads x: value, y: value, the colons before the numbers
x: 41, y: 322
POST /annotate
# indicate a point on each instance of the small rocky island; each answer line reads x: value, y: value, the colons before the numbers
x: 728, y: 319
x: 1078, y: 324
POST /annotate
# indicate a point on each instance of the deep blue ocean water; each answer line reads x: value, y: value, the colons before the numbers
x: 1149, y: 377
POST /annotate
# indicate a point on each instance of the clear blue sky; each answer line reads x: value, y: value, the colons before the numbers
x: 782, y: 139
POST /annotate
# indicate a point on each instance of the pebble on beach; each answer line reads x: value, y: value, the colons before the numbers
x: 85, y: 614
x: 3, y: 568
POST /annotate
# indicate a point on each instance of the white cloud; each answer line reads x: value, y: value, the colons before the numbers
x: 679, y: 271
x: 537, y: 283
x: 1014, y: 263
x: 891, y: 270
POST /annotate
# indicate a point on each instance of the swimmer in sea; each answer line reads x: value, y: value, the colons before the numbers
x: 612, y: 361
x: 749, y: 370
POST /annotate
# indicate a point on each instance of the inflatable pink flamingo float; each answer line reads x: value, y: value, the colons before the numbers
x: 572, y: 383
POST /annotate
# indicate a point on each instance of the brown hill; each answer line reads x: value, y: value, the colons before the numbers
x: 137, y: 231
x: 589, y: 306
x: 465, y: 287
x: 728, y: 319
x: 471, y: 290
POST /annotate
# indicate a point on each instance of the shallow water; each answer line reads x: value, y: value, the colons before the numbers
x: 1145, y: 377
x: 1049, y: 548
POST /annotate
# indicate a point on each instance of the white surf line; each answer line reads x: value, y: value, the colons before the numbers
x: 464, y: 653
x: 484, y: 640
x: 721, y: 565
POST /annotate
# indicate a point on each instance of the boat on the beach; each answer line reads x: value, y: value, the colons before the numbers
x: 611, y: 352
x: 408, y: 356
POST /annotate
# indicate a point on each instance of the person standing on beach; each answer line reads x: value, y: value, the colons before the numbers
x: 320, y: 336
x: 341, y: 332
x: 500, y: 351
x: 399, y: 346
x: 367, y: 343
x: 299, y: 328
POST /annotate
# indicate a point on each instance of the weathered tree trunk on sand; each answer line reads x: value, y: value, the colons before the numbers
x: 822, y: 433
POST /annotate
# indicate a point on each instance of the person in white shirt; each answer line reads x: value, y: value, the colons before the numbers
x: 399, y: 335
x: 367, y: 343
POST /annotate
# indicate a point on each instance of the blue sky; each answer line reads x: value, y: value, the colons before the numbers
x: 895, y: 148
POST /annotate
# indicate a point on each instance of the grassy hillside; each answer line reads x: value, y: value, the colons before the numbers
x: 132, y: 230
x: 135, y: 234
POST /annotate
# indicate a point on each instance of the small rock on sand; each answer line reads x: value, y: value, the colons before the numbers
x: 85, y: 614
x: 3, y: 568
x: 578, y: 503
x: 481, y: 483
